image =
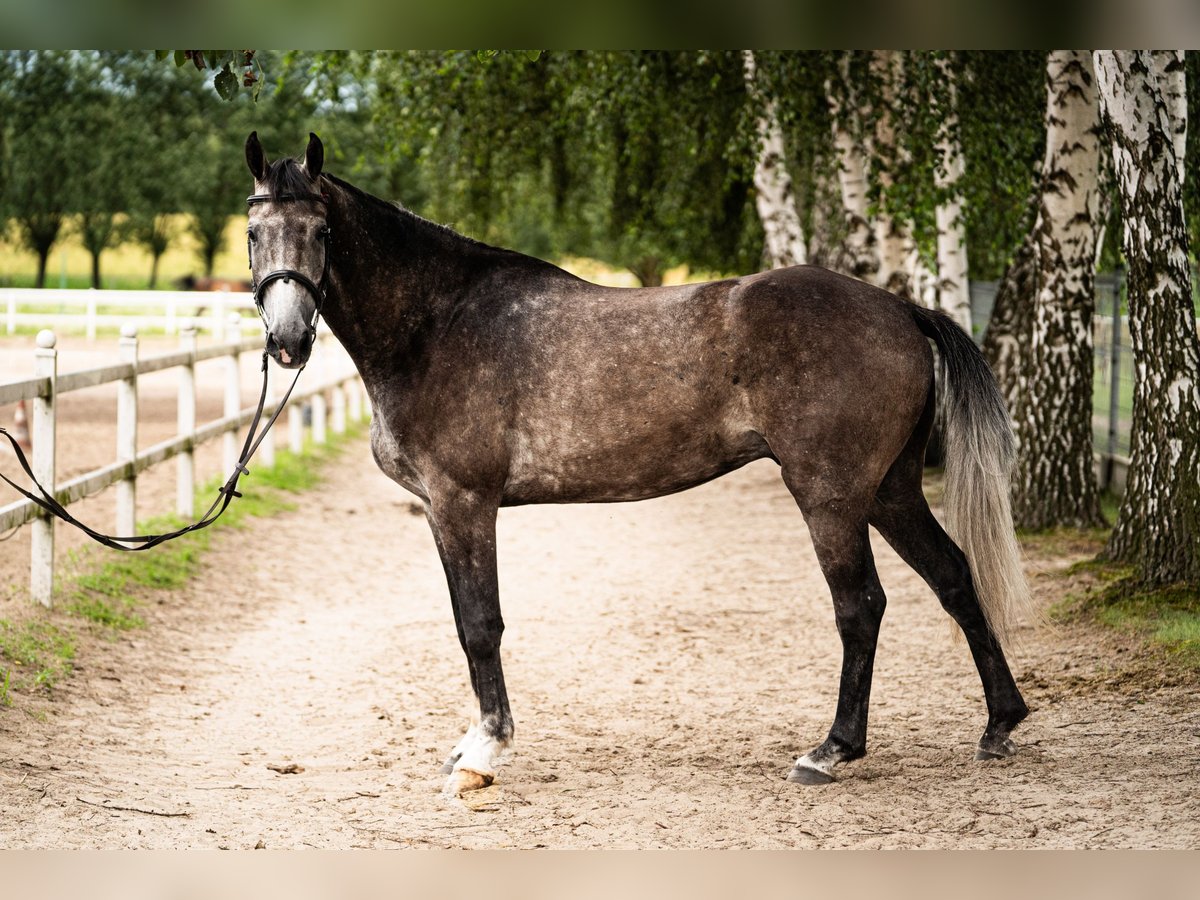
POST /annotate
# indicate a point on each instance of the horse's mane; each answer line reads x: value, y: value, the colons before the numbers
x: 286, y: 176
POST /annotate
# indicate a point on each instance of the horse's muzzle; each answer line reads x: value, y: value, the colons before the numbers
x: 290, y: 354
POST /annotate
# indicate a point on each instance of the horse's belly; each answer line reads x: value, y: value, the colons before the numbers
x: 555, y: 469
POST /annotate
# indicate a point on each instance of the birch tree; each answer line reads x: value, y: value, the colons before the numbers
x: 1158, y: 525
x: 954, y: 293
x: 774, y: 197
x: 861, y: 250
x: 1055, y: 482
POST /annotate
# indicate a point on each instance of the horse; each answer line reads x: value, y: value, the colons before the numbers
x: 497, y: 379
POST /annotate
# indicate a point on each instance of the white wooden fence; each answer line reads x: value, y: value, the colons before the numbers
x: 88, y: 310
x: 346, y: 391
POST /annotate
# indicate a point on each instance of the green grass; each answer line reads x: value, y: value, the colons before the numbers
x: 1168, y: 618
x: 108, y: 589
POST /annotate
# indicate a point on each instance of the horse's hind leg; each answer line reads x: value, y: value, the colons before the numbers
x: 839, y: 535
x: 902, y: 517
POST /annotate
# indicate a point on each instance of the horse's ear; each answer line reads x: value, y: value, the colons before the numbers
x: 255, y: 158
x: 314, y: 156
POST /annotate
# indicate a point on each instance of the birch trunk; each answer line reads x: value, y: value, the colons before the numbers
x: 953, y: 287
x: 1006, y: 341
x: 1172, y: 81
x: 774, y: 196
x: 1055, y: 481
x: 861, y: 252
x: 889, y: 231
x: 1158, y: 526
x: 901, y: 269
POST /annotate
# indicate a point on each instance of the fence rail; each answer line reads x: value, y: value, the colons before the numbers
x: 44, y: 388
x: 88, y: 310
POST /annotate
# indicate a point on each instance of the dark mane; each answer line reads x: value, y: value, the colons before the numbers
x: 396, y: 209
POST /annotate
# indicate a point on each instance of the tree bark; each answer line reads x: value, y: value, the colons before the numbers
x: 1158, y: 525
x: 648, y: 271
x: 42, y: 257
x: 1006, y: 341
x: 861, y: 252
x: 1172, y: 81
x: 953, y: 287
x: 96, y: 268
x: 901, y: 269
x: 774, y: 196
x: 1055, y: 481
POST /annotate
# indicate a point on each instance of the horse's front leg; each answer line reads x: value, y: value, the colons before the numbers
x: 464, y: 527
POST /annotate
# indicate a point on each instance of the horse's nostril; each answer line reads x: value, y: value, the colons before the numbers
x: 272, y: 344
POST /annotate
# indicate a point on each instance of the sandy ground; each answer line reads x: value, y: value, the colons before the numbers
x: 666, y: 660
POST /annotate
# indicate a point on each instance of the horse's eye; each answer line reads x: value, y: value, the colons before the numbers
x: 323, y: 232
x: 253, y: 237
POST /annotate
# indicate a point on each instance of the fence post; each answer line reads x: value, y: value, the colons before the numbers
x: 41, y: 569
x: 1114, y: 384
x: 233, y: 390
x: 354, y: 409
x: 339, y: 408
x: 296, y: 426
x: 318, y: 399
x: 171, y: 313
x: 91, y: 315
x: 127, y: 427
x: 185, y: 470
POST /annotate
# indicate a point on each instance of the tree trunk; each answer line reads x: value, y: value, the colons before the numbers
x: 1055, y: 482
x: 96, y: 268
x: 648, y: 271
x: 1006, y: 340
x: 42, y: 256
x: 1158, y: 526
x: 901, y: 269
x: 154, y: 258
x: 860, y: 250
x: 954, y: 291
x: 1172, y: 81
x: 774, y: 197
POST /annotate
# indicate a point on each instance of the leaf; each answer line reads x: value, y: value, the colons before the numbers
x: 533, y: 55
x: 226, y: 83
x: 486, y: 55
x: 160, y: 55
x: 180, y: 57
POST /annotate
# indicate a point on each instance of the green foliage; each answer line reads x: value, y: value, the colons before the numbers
x: 39, y: 653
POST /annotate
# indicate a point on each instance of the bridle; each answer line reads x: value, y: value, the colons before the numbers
x: 45, y: 500
x: 286, y: 275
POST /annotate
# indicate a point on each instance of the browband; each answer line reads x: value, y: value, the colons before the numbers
x: 269, y: 198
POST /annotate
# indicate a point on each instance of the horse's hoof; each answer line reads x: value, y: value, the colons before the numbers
x: 808, y: 775
x: 463, y: 780
x: 1001, y: 750
x: 446, y: 768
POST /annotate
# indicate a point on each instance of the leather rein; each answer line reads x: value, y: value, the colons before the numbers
x: 225, y: 494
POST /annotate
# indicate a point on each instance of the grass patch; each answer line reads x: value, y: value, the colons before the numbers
x: 38, y: 654
x: 108, y: 588
x: 1167, y: 618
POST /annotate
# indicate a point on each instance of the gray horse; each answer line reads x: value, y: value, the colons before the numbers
x: 497, y: 379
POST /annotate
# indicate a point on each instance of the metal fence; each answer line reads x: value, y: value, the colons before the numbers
x: 1112, y: 389
x: 344, y: 390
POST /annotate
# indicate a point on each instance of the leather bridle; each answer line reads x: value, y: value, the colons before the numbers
x: 317, y: 290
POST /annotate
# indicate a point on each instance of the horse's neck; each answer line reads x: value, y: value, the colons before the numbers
x: 392, y: 276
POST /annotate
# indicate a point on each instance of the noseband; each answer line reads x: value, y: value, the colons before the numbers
x: 317, y: 290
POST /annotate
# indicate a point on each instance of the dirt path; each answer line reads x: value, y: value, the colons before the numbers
x: 667, y: 660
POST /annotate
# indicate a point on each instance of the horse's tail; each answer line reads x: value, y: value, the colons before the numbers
x: 979, y: 457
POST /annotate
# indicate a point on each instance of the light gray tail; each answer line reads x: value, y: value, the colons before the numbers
x: 979, y: 453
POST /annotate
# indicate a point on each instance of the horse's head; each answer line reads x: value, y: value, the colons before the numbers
x: 288, y: 243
